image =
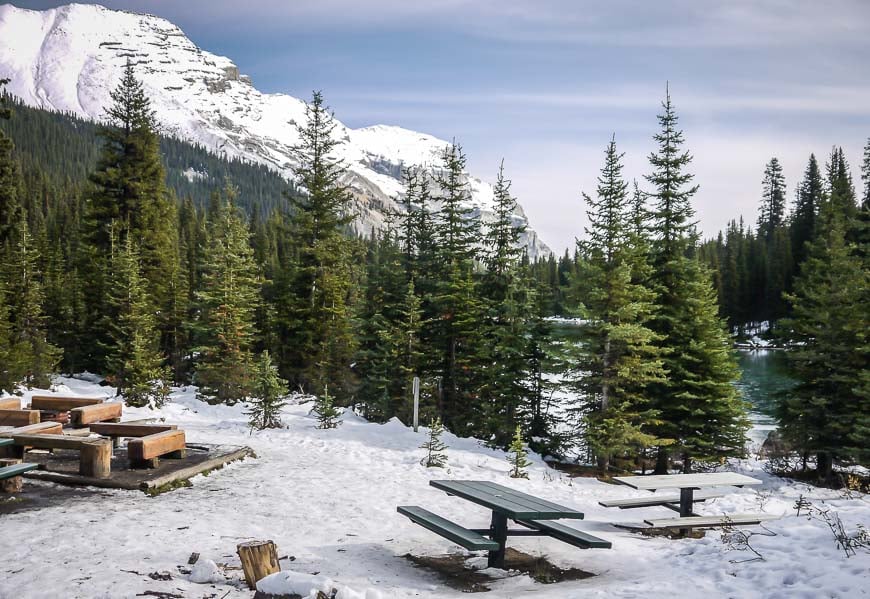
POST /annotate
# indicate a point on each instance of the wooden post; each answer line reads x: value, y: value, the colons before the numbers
x: 95, y: 459
x: 14, y: 484
x: 259, y: 559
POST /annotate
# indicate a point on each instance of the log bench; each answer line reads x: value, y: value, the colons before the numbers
x: 7, y: 444
x: 10, y: 474
x: 95, y: 455
x: 101, y: 412
x: 57, y: 403
x: 145, y: 452
x: 10, y: 403
x: 121, y: 430
x: 16, y: 417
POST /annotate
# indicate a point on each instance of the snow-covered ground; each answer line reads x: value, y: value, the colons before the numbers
x: 329, y: 497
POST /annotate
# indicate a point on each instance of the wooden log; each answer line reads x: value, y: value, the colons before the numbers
x: 95, y: 413
x: 13, y: 484
x: 53, y: 441
x: 10, y: 403
x: 122, y: 429
x: 43, y: 428
x: 18, y: 417
x: 259, y: 559
x: 57, y: 403
x: 95, y: 459
x: 145, y: 452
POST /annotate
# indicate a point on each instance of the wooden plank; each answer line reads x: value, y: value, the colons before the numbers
x: 58, y: 403
x: 123, y: 429
x: 18, y: 417
x: 687, y: 481
x: 447, y: 529
x: 567, y: 534
x: 96, y: 413
x: 190, y: 471
x: 10, y: 403
x: 16, y: 470
x: 711, y: 521
x: 654, y: 500
x: 513, y: 504
x: 156, y: 445
x: 51, y: 441
x: 43, y: 428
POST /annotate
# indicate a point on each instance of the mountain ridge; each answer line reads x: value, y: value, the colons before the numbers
x: 69, y: 58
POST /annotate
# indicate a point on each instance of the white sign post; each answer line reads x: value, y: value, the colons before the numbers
x: 416, y: 402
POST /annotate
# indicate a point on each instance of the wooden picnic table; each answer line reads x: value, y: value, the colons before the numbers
x: 687, y: 484
x: 527, y: 510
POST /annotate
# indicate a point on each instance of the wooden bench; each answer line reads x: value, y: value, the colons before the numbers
x: 145, y: 452
x: 102, y: 412
x: 95, y: 455
x: 8, y: 447
x: 469, y: 539
x: 10, y: 403
x: 121, y: 430
x: 711, y: 521
x: 14, y: 417
x: 567, y: 534
x: 10, y: 475
x: 656, y: 500
x: 57, y: 403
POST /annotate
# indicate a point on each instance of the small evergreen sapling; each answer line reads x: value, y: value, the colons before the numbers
x: 517, y: 457
x: 268, y: 395
x: 326, y: 412
x: 435, y: 456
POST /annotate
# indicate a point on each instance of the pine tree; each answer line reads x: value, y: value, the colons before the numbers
x: 865, y: 176
x: 228, y: 300
x: 37, y: 358
x: 435, y: 456
x: 325, y: 410
x: 841, y: 192
x: 617, y: 358
x: 316, y: 296
x: 517, y: 456
x: 9, y: 374
x: 134, y: 358
x: 772, y: 210
x: 700, y: 414
x: 828, y: 412
x: 808, y: 198
x: 9, y: 175
x: 267, y: 395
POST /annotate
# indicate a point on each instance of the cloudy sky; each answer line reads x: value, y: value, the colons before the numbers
x: 545, y: 83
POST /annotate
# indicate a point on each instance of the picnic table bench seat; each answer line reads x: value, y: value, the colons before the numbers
x: 5, y: 441
x: 655, y: 500
x: 469, y: 539
x: 101, y: 412
x: 16, y: 470
x: 711, y: 521
x: 59, y: 403
x: 567, y: 534
x: 145, y: 452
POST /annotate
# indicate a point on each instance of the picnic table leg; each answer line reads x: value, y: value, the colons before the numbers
x: 686, y: 505
x: 498, y: 533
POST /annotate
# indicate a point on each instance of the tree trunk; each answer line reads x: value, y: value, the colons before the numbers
x: 661, y: 462
x: 95, y: 459
x: 687, y: 464
x: 259, y: 559
x: 824, y: 466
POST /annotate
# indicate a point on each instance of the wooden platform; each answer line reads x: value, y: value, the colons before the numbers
x: 63, y: 467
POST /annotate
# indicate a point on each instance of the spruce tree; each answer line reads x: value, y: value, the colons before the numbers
x: 517, y: 456
x: 841, y: 191
x: 865, y: 176
x: 9, y: 374
x: 9, y: 174
x: 267, y: 395
x: 772, y: 210
x: 700, y: 414
x: 325, y: 410
x: 316, y: 292
x: 228, y: 300
x: 134, y: 357
x: 617, y: 358
x: 37, y: 358
x: 828, y: 412
x: 435, y: 456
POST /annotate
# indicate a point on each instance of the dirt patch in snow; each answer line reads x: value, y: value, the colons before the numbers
x: 455, y: 572
x: 37, y: 495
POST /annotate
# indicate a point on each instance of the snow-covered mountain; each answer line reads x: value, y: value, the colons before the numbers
x: 70, y: 58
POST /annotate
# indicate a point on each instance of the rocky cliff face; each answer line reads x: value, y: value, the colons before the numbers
x: 70, y: 58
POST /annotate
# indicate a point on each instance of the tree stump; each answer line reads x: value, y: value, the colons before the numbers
x: 259, y: 559
x: 95, y: 459
x: 14, y: 484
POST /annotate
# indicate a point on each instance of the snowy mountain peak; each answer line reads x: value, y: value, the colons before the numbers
x: 70, y: 58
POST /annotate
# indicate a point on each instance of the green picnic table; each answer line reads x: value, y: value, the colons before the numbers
x: 536, y: 515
